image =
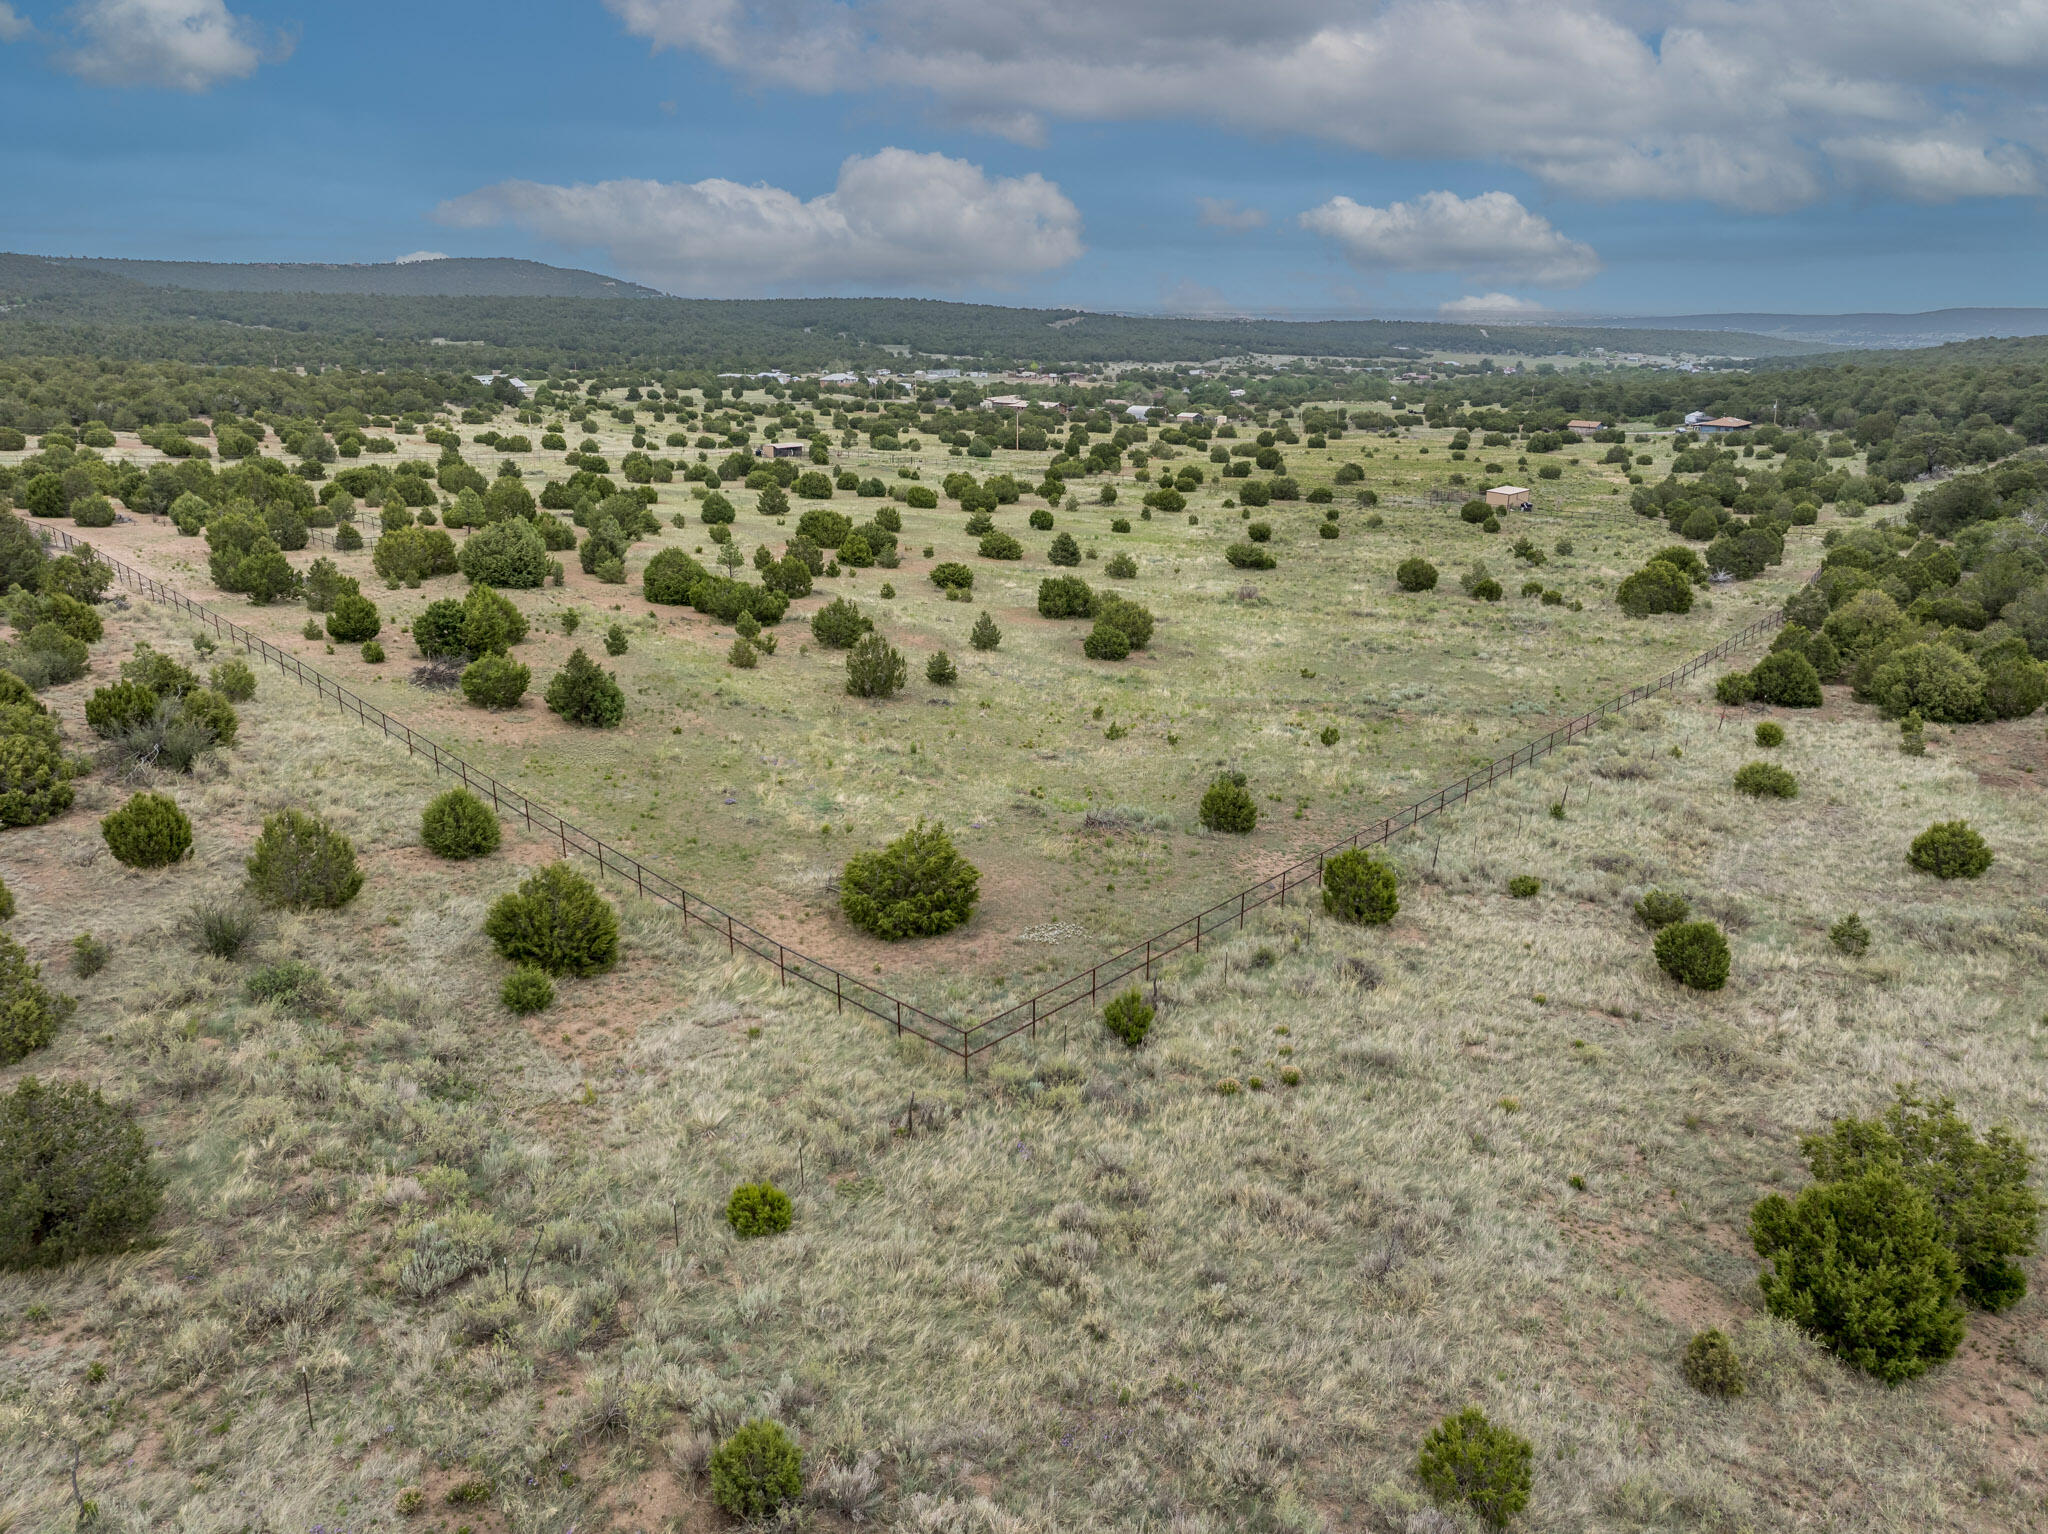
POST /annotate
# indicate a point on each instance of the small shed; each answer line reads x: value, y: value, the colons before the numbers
x: 782, y: 450
x: 1508, y: 496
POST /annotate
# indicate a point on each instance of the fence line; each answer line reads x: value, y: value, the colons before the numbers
x: 963, y: 1040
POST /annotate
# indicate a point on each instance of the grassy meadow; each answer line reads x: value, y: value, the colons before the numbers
x: 754, y: 786
x: 412, y: 1245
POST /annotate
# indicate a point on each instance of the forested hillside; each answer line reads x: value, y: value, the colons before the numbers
x: 66, y: 308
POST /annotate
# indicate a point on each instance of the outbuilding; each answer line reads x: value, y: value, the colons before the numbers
x: 782, y: 450
x: 1510, y: 497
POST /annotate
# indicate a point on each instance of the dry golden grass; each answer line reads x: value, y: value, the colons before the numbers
x: 1081, y: 1290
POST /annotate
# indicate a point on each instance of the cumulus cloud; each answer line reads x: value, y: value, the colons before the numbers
x: 13, y: 25
x: 1492, y: 306
x: 1222, y: 213
x: 1491, y: 237
x: 895, y: 220
x: 186, y: 45
x: 1760, y: 107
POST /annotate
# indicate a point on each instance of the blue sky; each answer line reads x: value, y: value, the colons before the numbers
x: 1320, y: 156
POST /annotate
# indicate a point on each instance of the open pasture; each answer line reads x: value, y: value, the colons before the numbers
x: 1070, y: 783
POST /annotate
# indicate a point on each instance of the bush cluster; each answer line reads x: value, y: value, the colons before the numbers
x: 75, y: 1175
x: 1129, y: 1017
x: 301, y: 864
x: 556, y: 921
x: 1357, y: 887
x: 1469, y: 1459
x: 917, y: 886
x: 458, y: 825
x: 1950, y: 849
x: 1766, y: 780
x: 149, y: 831
x: 874, y: 668
x: 757, y: 1471
x: 527, y: 990
x: 758, y: 1209
x: 1659, y: 909
x: 1227, y: 805
x: 583, y: 692
x: 1694, y: 953
x: 30, y: 1013
x: 1711, y: 1366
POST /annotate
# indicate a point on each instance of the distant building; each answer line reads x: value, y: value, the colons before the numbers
x: 1694, y: 417
x: 1137, y: 412
x: 1512, y: 497
x: 1722, y: 423
x: 782, y: 450
x: 1005, y: 402
x: 1585, y: 428
x: 1191, y: 417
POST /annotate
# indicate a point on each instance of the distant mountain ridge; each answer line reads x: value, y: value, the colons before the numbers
x: 1875, y: 331
x: 440, y: 277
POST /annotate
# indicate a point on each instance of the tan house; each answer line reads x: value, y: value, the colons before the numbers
x: 1508, y: 496
x: 1585, y: 428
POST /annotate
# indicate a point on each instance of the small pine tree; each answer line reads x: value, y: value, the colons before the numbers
x: 758, y: 1209
x: 1850, y: 936
x: 1711, y: 1366
x: 1227, y: 805
x: 940, y: 670
x: 758, y: 1470
x: 874, y: 668
x: 301, y: 864
x: 615, y: 640
x: 1129, y: 1017
x: 584, y: 693
x: 1467, y: 1458
x: 986, y: 635
x: 1359, y: 888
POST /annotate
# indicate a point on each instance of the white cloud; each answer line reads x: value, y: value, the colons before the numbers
x: 421, y: 255
x: 13, y: 25
x: 1760, y: 107
x: 1491, y: 237
x: 1492, y: 306
x: 895, y: 220
x: 1935, y: 169
x: 1222, y: 213
x: 187, y: 45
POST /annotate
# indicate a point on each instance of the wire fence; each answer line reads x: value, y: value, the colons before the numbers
x: 963, y: 1040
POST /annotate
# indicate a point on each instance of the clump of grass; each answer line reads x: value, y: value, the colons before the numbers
x: 222, y: 928
x: 89, y: 955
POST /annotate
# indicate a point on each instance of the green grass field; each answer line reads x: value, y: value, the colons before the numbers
x: 753, y: 787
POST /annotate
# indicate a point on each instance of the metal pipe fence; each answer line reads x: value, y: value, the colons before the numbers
x: 963, y: 1040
